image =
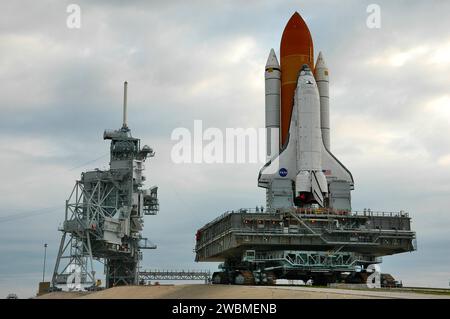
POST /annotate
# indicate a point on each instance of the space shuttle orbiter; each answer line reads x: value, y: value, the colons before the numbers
x: 301, y: 170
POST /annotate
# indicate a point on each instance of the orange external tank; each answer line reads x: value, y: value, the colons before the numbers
x: 296, y: 49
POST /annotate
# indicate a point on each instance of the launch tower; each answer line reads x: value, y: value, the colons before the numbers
x: 104, y: 216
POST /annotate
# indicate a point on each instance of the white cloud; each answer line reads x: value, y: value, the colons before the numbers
x: 440, y: 54
x: 399, y: 59
x: 434, y: 54
x: 444, y: 160
x: 439, y: 108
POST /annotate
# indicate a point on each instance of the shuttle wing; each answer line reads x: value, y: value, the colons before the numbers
x: 334, y: 169
x: 280, y: 166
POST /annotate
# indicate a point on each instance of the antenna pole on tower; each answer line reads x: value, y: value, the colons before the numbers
x: 125, y: 88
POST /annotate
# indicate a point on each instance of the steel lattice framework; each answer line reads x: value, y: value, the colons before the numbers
x: 104, y: 217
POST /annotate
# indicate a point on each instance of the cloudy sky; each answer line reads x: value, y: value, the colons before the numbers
x: 61, y: 87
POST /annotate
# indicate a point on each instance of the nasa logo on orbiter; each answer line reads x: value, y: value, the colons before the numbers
x: 283, y: 172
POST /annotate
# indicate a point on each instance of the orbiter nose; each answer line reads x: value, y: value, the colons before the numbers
x: 306, y: 68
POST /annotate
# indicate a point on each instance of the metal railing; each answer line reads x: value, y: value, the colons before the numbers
x: 148, y: 275
x: 313, y: 211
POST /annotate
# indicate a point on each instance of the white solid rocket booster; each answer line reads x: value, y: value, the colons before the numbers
x: 322, y: 80
x: 272, y: 89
